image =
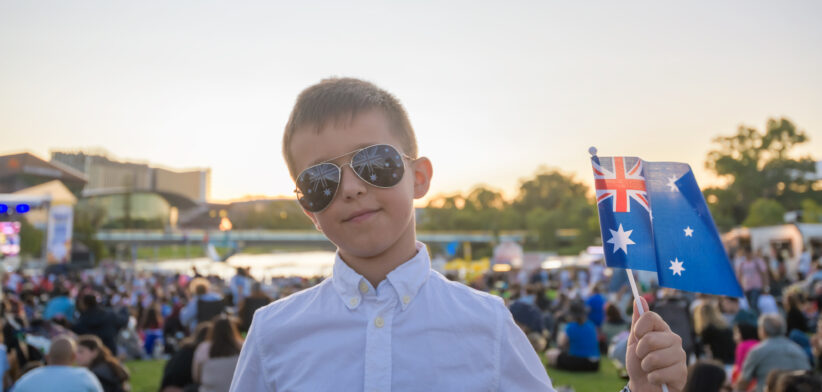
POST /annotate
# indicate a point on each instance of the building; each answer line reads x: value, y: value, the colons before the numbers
x: 106, y: 175
x: 25, y: 170
x: 136, y: 195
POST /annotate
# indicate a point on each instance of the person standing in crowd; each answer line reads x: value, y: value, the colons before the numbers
x: 98, y: 321
x: 794, y: 316
x: 92, y: 354
x: 774, y: 352
x: 203, y: 306
x: 59, y: 374
x: 673, y: 308
x: 752, y: 273
x: 240, y: 285
x: 715, y: 336
x: 216, y: 358
x: 579, y: 350
x: 250, y: 304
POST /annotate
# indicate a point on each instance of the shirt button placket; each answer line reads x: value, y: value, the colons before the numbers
x: 378, y: 349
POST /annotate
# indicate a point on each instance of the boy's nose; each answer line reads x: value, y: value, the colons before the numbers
x: 351, y: 185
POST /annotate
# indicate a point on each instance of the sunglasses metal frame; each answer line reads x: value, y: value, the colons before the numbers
x: 339, y: 167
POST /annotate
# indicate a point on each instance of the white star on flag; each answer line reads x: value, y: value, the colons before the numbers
x: 672, y: 184
x: 620, y: 239
x: 689, y: 232
x: 676, y: 266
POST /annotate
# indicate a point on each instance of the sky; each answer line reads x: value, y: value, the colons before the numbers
x: 494, y: 90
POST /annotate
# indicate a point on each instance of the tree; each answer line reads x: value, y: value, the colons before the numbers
x: 556, y: 207
x: 758, y: 165
x: 31, y: 239
x: 765, y: 212
x: 811, y: 211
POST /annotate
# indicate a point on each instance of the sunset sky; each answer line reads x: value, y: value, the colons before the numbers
x: 494, y: 89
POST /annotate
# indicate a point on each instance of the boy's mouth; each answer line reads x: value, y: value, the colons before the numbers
x: 361, y: 215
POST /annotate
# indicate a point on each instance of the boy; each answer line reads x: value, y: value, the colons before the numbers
x: 385, y: 321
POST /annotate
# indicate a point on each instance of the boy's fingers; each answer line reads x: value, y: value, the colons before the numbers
x: 671, y: 375
x: 661, y: 359
x: 656, y: 340
x: 649, y: 321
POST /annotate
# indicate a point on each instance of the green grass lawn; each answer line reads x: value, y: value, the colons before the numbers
x: 145, y: 377
x: 605, y: 380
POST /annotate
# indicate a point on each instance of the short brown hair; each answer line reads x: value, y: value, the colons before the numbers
x: 336, y: 99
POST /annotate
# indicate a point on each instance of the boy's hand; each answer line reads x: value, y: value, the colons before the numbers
x: 655, y: 355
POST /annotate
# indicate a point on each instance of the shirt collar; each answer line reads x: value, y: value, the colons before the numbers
x: 407, y: 279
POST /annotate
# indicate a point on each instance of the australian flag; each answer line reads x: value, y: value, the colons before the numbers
x: 653, y: 217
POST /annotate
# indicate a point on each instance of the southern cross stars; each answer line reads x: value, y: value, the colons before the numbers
x: 672, y: 184
x: 676, y: 266
x: 689, y: 232
x: 621, y: 239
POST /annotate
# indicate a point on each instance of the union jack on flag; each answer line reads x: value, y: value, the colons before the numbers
x: 620, y: 178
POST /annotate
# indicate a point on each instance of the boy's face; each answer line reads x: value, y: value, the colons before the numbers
x: 362, y: 220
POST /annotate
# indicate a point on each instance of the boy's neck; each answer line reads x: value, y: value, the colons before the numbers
x: 375, y: 268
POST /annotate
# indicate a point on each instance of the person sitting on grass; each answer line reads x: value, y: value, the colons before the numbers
x: 59, y: 374
x: 92, y: 354
x: 579, y: 348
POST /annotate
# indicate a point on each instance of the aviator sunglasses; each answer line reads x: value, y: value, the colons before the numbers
x: 380, y: 165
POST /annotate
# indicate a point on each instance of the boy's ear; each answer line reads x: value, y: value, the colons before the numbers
x: 313, y: 218
x: 422, y: 171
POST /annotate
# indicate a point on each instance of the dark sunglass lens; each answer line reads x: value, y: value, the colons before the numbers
x: 318, y: 184
x: 379, y: 165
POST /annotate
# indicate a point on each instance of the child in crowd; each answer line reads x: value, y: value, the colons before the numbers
x: 384, y: 320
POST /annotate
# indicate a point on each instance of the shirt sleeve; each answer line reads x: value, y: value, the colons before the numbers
x: 520, y: 366
x: 749, y: 366
x: 249, y: 374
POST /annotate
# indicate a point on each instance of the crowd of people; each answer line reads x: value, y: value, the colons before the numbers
x: 770, y: 337
x: 78, y: 327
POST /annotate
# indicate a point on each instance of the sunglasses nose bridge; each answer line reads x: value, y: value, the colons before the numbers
x: 350, y: 182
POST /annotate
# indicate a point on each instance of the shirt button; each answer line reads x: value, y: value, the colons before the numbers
x: 354, y: 301
x: 379, y: 322
x: 363, y: 287
x: 406, y: 299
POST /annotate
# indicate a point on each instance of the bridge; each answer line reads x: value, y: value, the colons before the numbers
x: 272, y: 237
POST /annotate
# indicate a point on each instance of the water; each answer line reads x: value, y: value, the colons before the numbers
x: 263, y: 266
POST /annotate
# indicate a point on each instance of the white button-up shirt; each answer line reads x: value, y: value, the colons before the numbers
x: 416, y: 331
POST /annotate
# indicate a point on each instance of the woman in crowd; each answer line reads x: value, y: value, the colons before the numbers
x: 216, y: 358
x: 151, y: 326
x: 580, y: 339
x: 715, y: 337
x: 614, y: 323
x: 177, y: 371
x: 746, y: 337
x: 93, y: 354
x: 794, y: 316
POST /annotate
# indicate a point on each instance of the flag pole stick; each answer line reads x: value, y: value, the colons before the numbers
x: 639, y: 306
x: 593, y: 151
